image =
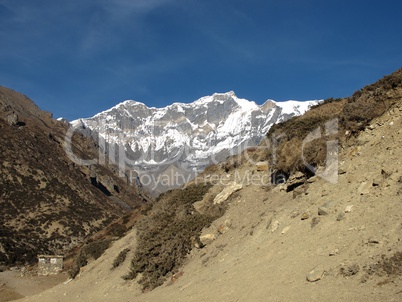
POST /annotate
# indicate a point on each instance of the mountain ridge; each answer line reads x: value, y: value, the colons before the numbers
x: 308, y: 239
x: 189, y: 136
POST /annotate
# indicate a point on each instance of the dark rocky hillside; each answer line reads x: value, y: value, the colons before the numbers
x: 49, y: 203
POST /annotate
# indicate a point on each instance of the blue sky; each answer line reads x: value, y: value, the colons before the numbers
x: 77, y: 58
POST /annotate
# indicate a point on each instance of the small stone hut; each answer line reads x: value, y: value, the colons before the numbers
x: 49, y: 264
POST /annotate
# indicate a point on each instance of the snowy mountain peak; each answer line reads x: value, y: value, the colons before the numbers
x: 225, y: 95
x: 188, y: 135
x: 294, y: 107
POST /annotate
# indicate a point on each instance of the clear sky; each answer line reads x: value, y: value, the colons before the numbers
x: 76, y: 58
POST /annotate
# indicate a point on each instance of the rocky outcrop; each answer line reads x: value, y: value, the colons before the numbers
x: 315, y: 274
x: 227, y: 192
x: 12, y: 119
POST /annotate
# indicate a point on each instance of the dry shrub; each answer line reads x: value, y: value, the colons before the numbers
x: 121, y: 257
x: 231, y: 163
x: 166, y: 234
x: 251, y: 149
x: 257, y: 153
x: 301, y: 126
x: 92, y: 250
x: 350, y: 270
x: 288, y: 151
x: 289, y: 155
x: 372, y: 101
x: 96, y: 249
x: 211, y: 169
x: 80, y: 261
x: 353, y: 114
x: 117, y: 229
x: 390, y: 266
x: 358, y: 113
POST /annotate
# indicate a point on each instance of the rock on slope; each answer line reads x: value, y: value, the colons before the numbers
x: 48, y: 202
x: 182, y: 139
x: 324, y: 241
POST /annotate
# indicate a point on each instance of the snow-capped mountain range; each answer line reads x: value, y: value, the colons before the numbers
x: 188, y: 136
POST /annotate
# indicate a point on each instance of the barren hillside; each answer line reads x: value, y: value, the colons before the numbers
x: 315, y: 238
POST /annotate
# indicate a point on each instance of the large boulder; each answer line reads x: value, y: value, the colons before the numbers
x: 227, y: 192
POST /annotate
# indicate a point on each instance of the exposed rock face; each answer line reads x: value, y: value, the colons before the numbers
x: 48, y: 202
x: 207, y: 238
x: 12, y: 119
x: 186, y: 136
x: 325, y: 208
x: 227, y: 192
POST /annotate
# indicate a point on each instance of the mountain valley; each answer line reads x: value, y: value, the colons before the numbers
x: 309, y: 211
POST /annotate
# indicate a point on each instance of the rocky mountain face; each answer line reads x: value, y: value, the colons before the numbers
x: 49, y: 202
x: 169, y: 146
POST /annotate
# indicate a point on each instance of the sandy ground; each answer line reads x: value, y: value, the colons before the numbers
x: 276, y: 239
x: 15, y: 286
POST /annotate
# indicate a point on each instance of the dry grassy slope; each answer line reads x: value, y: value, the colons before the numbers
x: 48, y: 203
x: 352, y: 115
x: 269, y: 250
